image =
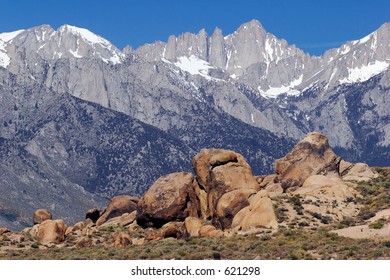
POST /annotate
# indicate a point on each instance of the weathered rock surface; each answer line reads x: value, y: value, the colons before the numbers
x: 124, y: 220
x: 210, y: 231
x: 328, y: 196
x: 171, y: 197
x: 360, y: 172
x: 259, y: 214
x: 123, y: 240
x: 192, y: 225
x: 51, y: 231
x: 41, y: 215
x: 173, y: 229
x: 117, y: 207
x: 311, y: 156
x: 220, y: 172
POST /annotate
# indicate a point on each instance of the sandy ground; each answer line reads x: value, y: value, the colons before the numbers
x: 364, y: 231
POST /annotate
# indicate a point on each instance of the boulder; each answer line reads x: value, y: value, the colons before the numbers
x: 173, y: 229
x: 124, y: 220
x: 51, y: 231
x: 41, y: 215
x: 210, y: 231
x: 230, y: 204
x: 344, y: 167
x: 123, y: 240
x: 359, y: 172
x: 171, y: 197
x: 259, y: 214
x: 311, y: 156
x: 219, y: 172
x: 118, y: 206
x: 192, y: 225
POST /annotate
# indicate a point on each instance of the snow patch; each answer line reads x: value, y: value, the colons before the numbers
x: 274, y: 92
x: 8, y: 36
x: 194, y: 66
x: 5, y: 38
x: 361, y: 74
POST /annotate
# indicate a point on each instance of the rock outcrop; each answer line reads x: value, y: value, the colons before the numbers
x: 118, y: 206
x: 228, y: 182
x: 41, y: 215
x: 311, y: 156
x: 51, y: 231
x: 171, y: 197
x: 259, y: 214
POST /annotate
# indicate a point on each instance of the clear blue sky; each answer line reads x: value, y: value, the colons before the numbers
x: 312, y: 25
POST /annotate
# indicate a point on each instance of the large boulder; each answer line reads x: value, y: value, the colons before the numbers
x: 171, y: 197
x: 259, y: 214
x: 311, y: 156
x: 192, y: 225
x: 41, y: 215
x: 118, y: 206
x: 220, y: 172
x: 124, y: 220
x: 360, y: 172
x: 51, y: 231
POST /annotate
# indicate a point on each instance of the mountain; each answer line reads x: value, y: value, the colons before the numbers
x: 81, y: 117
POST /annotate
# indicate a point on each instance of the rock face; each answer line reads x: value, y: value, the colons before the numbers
x: 192, y: 225
x: 51, y: 231
x: 123, y: 220
x: 171, y: 197
x: 259, y: 214
x: 228, y: 181
x: 118, y: 206
x: 41, y: 215
x: 311, y: 156
x: 329, y: 197
x: 359, y: 172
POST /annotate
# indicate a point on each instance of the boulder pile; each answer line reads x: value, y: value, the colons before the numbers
x: 311, y: 184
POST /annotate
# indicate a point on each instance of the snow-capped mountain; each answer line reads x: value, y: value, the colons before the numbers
x: 247, y: 91
x: 66, y: 42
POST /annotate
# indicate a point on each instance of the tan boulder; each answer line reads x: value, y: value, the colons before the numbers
x: 4, y: 230
x: 210, y: 231
x: 218, y: 173
x: 259, y: 214
x: 123, y: 240
x: 360, y: 172
x: 171, y: 197
x: 268, y: 179
x: 173, y: 229
x: 117, y: 207
x: 230, y: 204
x: 41, y: 215
x: 344, y: 167
x: 124, y: 220
x: 311, y: 156
x: 51, y: 231
x: 192, y: 225
x: 274, y: 189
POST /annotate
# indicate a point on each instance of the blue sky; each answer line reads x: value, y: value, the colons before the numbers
x: 314, y: 26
